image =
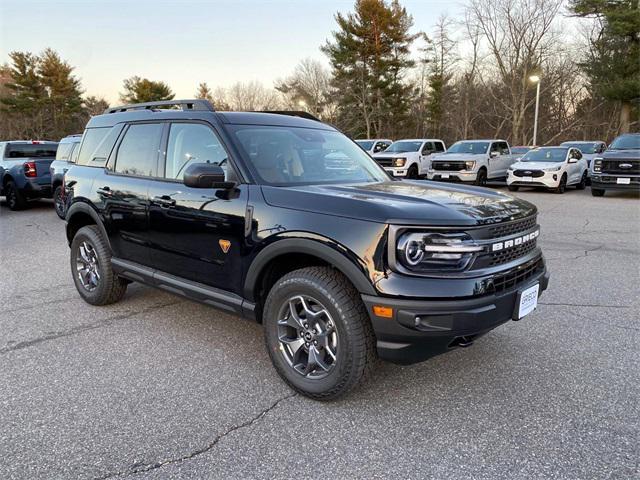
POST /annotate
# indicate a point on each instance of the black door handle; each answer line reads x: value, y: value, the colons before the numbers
x: 164, y: 201
x: 105, y: 191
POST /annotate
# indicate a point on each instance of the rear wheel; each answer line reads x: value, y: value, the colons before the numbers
x: 597, y: 192
x: 91, y: 268
x: 583, y: 182
x: 318, y: 333
x: 59, y: 203
x: 15, y: 199
x: 481, y: 178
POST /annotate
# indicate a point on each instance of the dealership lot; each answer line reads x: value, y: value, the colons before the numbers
x: 160, y: 387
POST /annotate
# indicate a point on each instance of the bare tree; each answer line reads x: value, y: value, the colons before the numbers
x: 309, y: 88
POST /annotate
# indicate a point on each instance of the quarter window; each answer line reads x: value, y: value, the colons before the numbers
x: 191, y: 143
x: 96, y: 145
x: 138, y: 151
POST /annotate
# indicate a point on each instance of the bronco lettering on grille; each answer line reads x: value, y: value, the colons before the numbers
x: 514, y: 242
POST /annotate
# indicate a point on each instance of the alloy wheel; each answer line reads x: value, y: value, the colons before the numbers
x: 308, y: 337
x: 87, y: 266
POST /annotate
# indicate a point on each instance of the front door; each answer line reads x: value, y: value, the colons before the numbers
x: 195, y: 233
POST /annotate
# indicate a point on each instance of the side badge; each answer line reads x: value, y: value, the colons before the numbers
x: 224, y: 245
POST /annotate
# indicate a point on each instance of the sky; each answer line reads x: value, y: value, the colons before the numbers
x: 182, y: 42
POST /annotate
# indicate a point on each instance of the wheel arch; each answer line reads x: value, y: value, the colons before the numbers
x: 80, y: 215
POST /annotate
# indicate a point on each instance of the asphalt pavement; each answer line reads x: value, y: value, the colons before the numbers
x: 160, y: 387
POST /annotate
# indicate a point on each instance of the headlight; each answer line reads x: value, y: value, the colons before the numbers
x: 399, y: 162
x: 553, y: 169
x: 469, y: 165
x: 597, y: 164
x: 431, y: 251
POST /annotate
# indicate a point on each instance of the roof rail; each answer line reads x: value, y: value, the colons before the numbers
x: 190, y: 104
x: 293, y: 113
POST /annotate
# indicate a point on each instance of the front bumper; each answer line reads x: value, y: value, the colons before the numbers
x: 420, y: 329
x: 547, y: 180
x: 610, y: 182
x: 396, y: 172
x: 454, y: 176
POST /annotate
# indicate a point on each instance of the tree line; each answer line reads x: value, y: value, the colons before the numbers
x: 463, y: 78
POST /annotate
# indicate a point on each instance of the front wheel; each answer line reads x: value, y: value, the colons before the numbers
x: 481, y: 178
x: 513, y: 188
x: 562, y: 186
x: 597, y: 192
x: 318, y: 333
x: 59, y: 202
x: 412, y: 173
x: 91, y: 268
x: 583, y: 182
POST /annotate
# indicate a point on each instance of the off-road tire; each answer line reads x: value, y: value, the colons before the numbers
x: 15, y: 199
x: 357, y: 346
x: 111, y: 288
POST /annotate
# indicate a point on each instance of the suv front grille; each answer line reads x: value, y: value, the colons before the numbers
x: 529, y: 173
x: 613, y: 166
x: 511, y: 228
x: 505, y: 256
x: 518, y: 275
x: 449, y: 166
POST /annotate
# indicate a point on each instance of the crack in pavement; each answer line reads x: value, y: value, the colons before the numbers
x: 38, y: 227
x: 142, y: 468
x: 43, y: 304
x: 82, y: 328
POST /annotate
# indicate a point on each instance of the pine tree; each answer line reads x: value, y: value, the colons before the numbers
x: 204, y: 92
x: 142, y: 90
x: 614, y: 63
x: 369, y: 56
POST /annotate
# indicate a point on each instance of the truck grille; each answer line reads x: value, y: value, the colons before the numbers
x: 614, y: 166
x: 384, y: 162
x: 529, y: 173
x: 449, y: 166
x: 518, y: 275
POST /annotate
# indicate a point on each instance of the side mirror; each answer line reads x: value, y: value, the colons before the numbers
x: 494, y: 154
x: 206, y: 175
x: 573, y: 160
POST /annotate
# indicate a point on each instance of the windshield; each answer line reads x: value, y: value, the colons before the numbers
x: 473, y: 148
x: 588, y: 148
x: 626, y: 142
x: 297, y: 156
x: 546, y: 155
x: 404, y: 146
x: 31, y: 150
x: 365, y: 144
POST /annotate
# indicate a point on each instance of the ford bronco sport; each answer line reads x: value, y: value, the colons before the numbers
x: 240, y: 210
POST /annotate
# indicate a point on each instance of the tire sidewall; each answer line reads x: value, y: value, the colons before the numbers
x: 89, y: 235
x: 57, y: 194
x: 301, y: 285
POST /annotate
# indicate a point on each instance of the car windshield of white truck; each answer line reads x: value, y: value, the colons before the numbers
x: 626, y: 142
x: 284, y: 156
x: 546, y: 155
x: 366, y: 144
x: 31, y: 150
x: 401, y: 147
x: 587, y: 148
x: 474, y: 148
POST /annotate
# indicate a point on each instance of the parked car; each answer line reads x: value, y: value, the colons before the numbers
x: 237, y: 210
x: 473, y: 161
x: 550, y: 167
x: 374, y: 146
x: 24, y: 171
x: 409, y: 158
x: 618, y: 168
x: 589, y: 149
x: 520, y: 150
x: 65, y: 157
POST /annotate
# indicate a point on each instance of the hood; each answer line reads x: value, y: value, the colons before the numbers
x: 455, y: 156
x: 403, y: 202
x: 621, y: 155
x: 394, y: 155
x: 535, y: 165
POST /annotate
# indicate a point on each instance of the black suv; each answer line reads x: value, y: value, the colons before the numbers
x: 284, y: 220
x: 618, y: 168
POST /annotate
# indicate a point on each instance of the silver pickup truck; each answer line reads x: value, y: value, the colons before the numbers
x: 473, y: 161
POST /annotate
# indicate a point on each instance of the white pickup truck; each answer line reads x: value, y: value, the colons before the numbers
x: 472, y: 161
x: 409, y: 158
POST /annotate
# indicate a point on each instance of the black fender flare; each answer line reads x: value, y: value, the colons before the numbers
x: 84, y: 208
x: 311, y: 247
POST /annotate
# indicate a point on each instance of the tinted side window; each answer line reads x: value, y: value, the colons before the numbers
x: 96, y: 145
x: 504, y: 148
x: 192, y: 143
x: 427, y: 148
x: 138, y: 151
x: 439, y: 147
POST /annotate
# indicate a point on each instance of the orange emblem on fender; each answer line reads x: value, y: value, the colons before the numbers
x: 224, y: 245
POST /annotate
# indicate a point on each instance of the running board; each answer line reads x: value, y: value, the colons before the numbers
x: 220, y: 299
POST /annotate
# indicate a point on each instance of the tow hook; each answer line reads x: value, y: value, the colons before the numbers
x: 462, y: 342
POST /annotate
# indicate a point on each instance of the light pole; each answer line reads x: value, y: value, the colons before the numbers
x: 536, y: 79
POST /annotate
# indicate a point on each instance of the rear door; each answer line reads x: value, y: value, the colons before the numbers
x: 195, y: 233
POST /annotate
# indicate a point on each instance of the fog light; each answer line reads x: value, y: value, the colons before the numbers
x: 384, y: 312
x: 555, y: 177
